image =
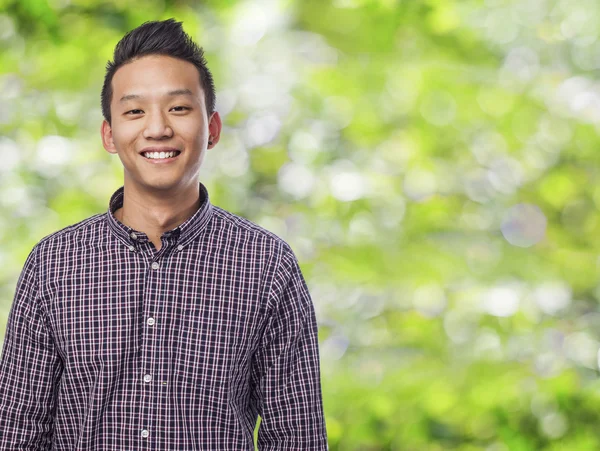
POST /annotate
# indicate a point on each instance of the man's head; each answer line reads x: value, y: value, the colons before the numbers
x: 159, y: 113
x: 158, y: 38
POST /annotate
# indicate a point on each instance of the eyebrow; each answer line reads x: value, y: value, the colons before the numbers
x: 174, y: 93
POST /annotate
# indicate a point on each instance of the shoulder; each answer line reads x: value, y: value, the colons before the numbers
x: 248, y: 231
x: 50, y: 249
x: 83, y: 230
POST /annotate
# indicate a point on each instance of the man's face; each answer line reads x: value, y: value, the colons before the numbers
x: 160, y: 128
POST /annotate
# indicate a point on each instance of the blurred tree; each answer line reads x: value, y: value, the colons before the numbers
x: 432, y: 163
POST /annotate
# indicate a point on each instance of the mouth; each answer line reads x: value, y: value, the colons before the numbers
x: 160, y: 155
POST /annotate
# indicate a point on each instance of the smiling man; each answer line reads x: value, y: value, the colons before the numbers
x: 166, y: 323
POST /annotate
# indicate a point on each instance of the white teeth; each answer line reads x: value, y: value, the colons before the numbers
x: 159, y: 155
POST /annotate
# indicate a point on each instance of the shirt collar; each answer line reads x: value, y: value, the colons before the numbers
x: 183, y: 233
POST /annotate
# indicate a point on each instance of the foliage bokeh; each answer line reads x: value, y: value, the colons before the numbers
x: 432, y: 163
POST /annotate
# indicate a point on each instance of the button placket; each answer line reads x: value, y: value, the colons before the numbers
x: 147, y: 378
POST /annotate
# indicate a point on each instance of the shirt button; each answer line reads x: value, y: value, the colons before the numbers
x: 155, y: 265
x: 150, y: 322
x: 147, y: 378
x: 145, y: 433
x: 180, y: 247
x: 131, y: 248
x: 133, y: 236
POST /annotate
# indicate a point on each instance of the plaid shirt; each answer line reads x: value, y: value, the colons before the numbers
x: 111, y: 345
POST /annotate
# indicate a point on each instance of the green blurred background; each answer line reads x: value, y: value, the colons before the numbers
x: 434, y: 165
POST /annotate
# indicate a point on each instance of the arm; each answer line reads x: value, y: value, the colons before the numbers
x: 287, y: 366
x: 29, y: 371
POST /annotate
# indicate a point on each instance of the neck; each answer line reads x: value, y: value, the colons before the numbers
x: 157, y: 212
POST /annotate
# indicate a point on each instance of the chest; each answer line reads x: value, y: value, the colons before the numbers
x: 109, y: 307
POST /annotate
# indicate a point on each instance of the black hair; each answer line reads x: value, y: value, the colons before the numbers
x: 158, y: 38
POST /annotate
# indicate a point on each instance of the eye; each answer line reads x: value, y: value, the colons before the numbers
x: 180, y: 108
x: 131, y: 112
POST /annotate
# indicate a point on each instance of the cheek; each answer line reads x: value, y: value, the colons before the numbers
x: 193, y: 130
x: 125, y: 133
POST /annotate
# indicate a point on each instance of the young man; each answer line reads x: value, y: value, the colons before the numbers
x: 166, y: 323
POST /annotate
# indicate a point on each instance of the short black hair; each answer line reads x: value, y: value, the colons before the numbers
x: 158, y: 38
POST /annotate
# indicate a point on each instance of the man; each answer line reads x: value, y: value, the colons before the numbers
x: 166, y: 323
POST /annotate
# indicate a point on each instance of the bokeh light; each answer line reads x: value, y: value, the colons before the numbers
x: 434, y: 165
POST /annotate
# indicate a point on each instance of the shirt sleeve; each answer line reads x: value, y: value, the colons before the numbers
x: 29, y: 370
x: 287, y: 362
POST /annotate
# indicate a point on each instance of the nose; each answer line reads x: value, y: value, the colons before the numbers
x: 157, y: 126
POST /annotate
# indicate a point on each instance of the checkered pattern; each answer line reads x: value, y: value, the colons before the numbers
x: 111, y: 345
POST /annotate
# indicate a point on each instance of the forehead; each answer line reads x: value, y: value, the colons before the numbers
x: 155, y: 74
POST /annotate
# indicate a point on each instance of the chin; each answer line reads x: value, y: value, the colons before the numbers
x: 160, y: 184
x: 166, y: 185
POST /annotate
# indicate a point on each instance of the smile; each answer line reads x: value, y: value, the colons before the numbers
x: 160, y: 155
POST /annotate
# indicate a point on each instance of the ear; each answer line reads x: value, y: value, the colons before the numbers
x: 107, y: 137
x: 214, y: 129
